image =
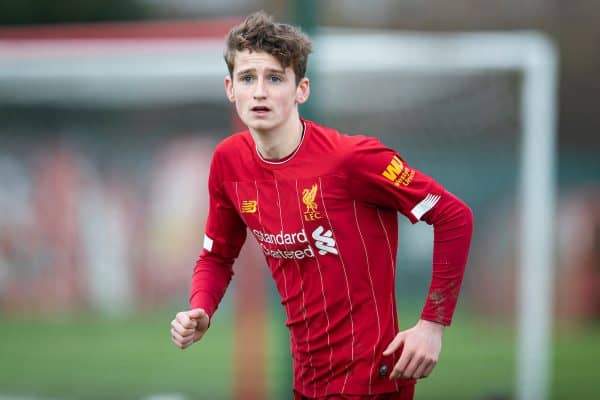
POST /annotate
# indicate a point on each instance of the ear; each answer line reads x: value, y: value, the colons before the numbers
x: 229, y: 88
x: 303, y: 90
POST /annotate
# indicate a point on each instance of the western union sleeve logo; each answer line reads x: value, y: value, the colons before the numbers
x: 249, y: 206
x: 397, y: 173
x: 393, y: 169
x: 308, y: 198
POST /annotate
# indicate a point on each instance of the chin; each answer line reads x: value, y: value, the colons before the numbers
x: 260, y: 125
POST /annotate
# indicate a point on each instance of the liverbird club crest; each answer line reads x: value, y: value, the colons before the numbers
x: 312, y: 209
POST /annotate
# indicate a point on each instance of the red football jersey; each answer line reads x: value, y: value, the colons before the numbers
x: 325, y: 218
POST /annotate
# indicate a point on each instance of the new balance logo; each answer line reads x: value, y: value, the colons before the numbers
x: 324, y: 241
x: 248, y: 206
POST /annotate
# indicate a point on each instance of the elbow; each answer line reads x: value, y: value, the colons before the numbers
x: 468, y: 219
x: 469, y: 216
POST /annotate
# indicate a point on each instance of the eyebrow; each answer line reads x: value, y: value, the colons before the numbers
x: 269, y: 70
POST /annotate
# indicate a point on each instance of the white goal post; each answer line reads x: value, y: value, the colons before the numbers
x: 125, y: 72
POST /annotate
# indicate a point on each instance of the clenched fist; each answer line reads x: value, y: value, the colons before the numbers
x: 188, y: 327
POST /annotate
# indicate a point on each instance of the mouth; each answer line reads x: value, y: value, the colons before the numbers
x: 260, y: 109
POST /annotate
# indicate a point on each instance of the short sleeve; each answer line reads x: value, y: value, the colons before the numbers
x: 380, y: 176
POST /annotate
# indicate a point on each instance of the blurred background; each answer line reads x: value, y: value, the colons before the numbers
x: 109, y: 113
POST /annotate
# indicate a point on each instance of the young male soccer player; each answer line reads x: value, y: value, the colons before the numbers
x: 322, y: 206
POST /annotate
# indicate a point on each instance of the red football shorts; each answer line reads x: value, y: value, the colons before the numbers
x: 407, y: 392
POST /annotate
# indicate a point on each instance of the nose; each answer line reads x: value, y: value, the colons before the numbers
x: 259, y: 89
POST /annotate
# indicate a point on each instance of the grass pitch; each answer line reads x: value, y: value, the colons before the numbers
x: 133, y: 358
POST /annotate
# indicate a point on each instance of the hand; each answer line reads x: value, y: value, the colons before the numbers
x: 188, y: 327
x: 421, y: 348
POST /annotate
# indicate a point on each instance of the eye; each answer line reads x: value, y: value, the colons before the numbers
x: 246, y: 78
x: 275, y: 78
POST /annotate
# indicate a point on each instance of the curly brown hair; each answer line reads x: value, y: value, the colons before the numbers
x: 258, y: 32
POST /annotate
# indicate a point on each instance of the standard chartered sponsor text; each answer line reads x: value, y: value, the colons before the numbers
x: 286, y: 244
x: 289, y: 254
x: 281, y: 238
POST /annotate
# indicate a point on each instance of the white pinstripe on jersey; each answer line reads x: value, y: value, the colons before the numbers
x: 324, y: 298
x: 362, y: 239
x: 281, y: 220
x: 259, y: 222
x: 345, y: 280
x: 392, y: 258
x: 304, y: 300
x: 285, y: 279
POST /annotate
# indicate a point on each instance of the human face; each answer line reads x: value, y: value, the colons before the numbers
x: 265, y: 94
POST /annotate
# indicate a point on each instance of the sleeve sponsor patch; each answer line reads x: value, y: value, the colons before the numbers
x: 397, y: 173
x: 208, y: 243
x: 425, y: 205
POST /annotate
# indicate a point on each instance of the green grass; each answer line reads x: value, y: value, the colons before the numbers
x: 110, y: 359
x: 476, y: 362
x: 85, y: 358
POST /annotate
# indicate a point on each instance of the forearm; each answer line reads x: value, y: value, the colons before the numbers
x: 453, y: 226
x: 210, y: 281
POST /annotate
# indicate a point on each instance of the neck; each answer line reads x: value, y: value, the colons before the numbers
x: 280, y: 142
